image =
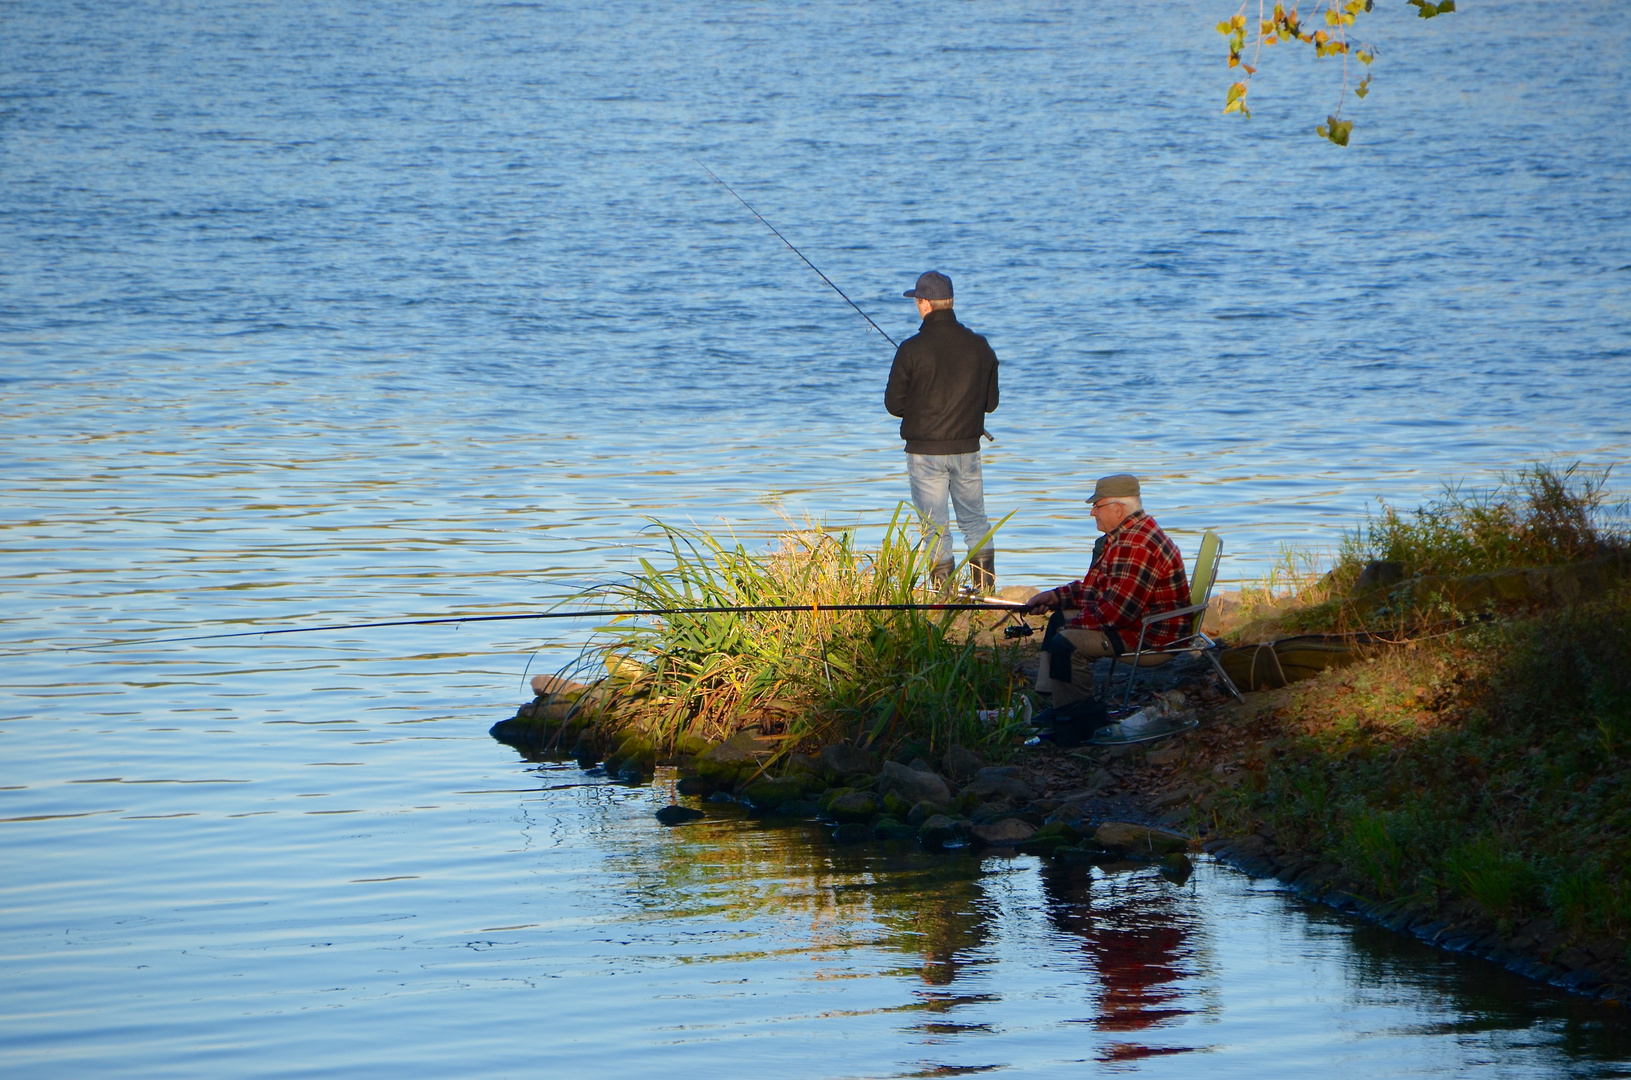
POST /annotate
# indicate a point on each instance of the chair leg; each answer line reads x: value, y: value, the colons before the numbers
x: 1224, y: 675
x: 1132, y: 676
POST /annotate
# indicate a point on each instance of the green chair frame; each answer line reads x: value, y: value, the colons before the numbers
x: 1196, y: 640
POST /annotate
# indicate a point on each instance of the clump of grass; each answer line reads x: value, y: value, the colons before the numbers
x: 1539, y: 516
x: 814, y: 677
x: 1542, y: 515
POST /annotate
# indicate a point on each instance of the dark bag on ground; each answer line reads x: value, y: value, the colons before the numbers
x: 1074, y: 724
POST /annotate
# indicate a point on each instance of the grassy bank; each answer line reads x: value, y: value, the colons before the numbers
x: 1493, y: 767
x: 1478, y: 773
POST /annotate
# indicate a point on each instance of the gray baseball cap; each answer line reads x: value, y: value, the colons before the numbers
x: 931, y: 285
x: 1120, y: 485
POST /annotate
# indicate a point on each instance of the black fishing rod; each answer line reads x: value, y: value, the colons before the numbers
x: 984, y: 604
x: 989, y: 437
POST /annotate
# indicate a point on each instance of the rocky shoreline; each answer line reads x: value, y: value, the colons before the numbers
x: 1115, y: 808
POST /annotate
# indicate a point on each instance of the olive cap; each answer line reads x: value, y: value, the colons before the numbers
x: 1118, y: 486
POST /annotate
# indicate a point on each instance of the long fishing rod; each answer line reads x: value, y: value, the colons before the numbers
x: 989, y: 437
x: 799, y: 253
x: 984, y: 604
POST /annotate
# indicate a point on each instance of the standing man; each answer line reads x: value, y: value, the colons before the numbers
x: 943, y: 382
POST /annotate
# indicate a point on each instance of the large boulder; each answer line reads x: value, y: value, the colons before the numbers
x: 999, y: 782
x: 733, y: 761
x: 961, y: 764
x: 1004, y: 833
x: 842, y: 759
x: 1138, y: 839
x: 913, y: 785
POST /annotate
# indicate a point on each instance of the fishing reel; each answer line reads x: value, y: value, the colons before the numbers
x: 1019, y: 629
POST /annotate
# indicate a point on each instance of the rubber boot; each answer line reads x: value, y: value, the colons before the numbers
x: 941, y: 572
x: 984, y: 567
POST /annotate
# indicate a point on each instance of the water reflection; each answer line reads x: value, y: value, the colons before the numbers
x: 1140, y: 937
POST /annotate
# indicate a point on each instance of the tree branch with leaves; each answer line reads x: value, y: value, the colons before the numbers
x: 1332, y: 25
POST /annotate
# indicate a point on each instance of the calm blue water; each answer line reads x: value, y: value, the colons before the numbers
x: 342, y: 311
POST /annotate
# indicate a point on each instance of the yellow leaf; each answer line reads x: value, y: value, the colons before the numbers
x: 1279, y: 12
x: 1233, y: 106
x: 1347, y: 20
x: 1321, y: 37
x: 1233, y: 59
x: 1265, y: 27
x: 1236, y: 92
x: 1331, y: 18
x: 1365, y: 58
x: 1238, y: 22
x: 1249, y: 69
x: 1224, y: 28
x: 1271, y: 40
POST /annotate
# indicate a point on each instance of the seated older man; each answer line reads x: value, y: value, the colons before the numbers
x: 1136, y: 571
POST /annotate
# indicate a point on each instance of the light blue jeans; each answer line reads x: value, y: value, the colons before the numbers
x: 933, y: 477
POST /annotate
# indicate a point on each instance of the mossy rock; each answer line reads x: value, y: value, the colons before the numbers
x: 943, y: 831
x: 691, y: 746
x: 923, y: 811
x: 1042, y: 845
x: 1060, y: 829
x: 830, y: 794
x: 895, y: 806
x: 731, y: 762
x: 767, y: 793
x: 853, y: 806
x: 636, y: 747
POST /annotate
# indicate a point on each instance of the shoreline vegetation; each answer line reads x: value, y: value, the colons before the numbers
x: 1437, y: 735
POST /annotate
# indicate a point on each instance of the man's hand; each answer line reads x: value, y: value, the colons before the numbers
x: 1042, y: 601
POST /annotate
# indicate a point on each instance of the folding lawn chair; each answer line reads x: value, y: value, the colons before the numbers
x: 1196, y: 640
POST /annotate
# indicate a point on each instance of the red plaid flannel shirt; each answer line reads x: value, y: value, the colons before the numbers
x: 1140, y: 574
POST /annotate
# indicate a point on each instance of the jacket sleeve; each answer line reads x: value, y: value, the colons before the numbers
x: 899, y: 389
x: 991, y: 387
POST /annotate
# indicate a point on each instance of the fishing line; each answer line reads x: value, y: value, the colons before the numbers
x: 984, y: 604
x: 799, y: 253
x: 989, y: 437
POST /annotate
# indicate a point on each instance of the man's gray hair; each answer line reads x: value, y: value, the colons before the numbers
x: 1133, y: 503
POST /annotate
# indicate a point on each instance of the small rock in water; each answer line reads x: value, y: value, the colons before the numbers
x: 677, y: 815
x: 1176, y: 867
x: 941, y: 831
x: 853, y: 806
x: 1138, y: 839
x: 720, y: 796
x: 630, y: 772
x: 692, y: 785
x: 1004, y: 833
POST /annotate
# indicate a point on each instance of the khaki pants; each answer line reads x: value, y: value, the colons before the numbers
x: 1090, y: 645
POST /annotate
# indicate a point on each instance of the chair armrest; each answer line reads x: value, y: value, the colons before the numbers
x: 1163, y: 616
